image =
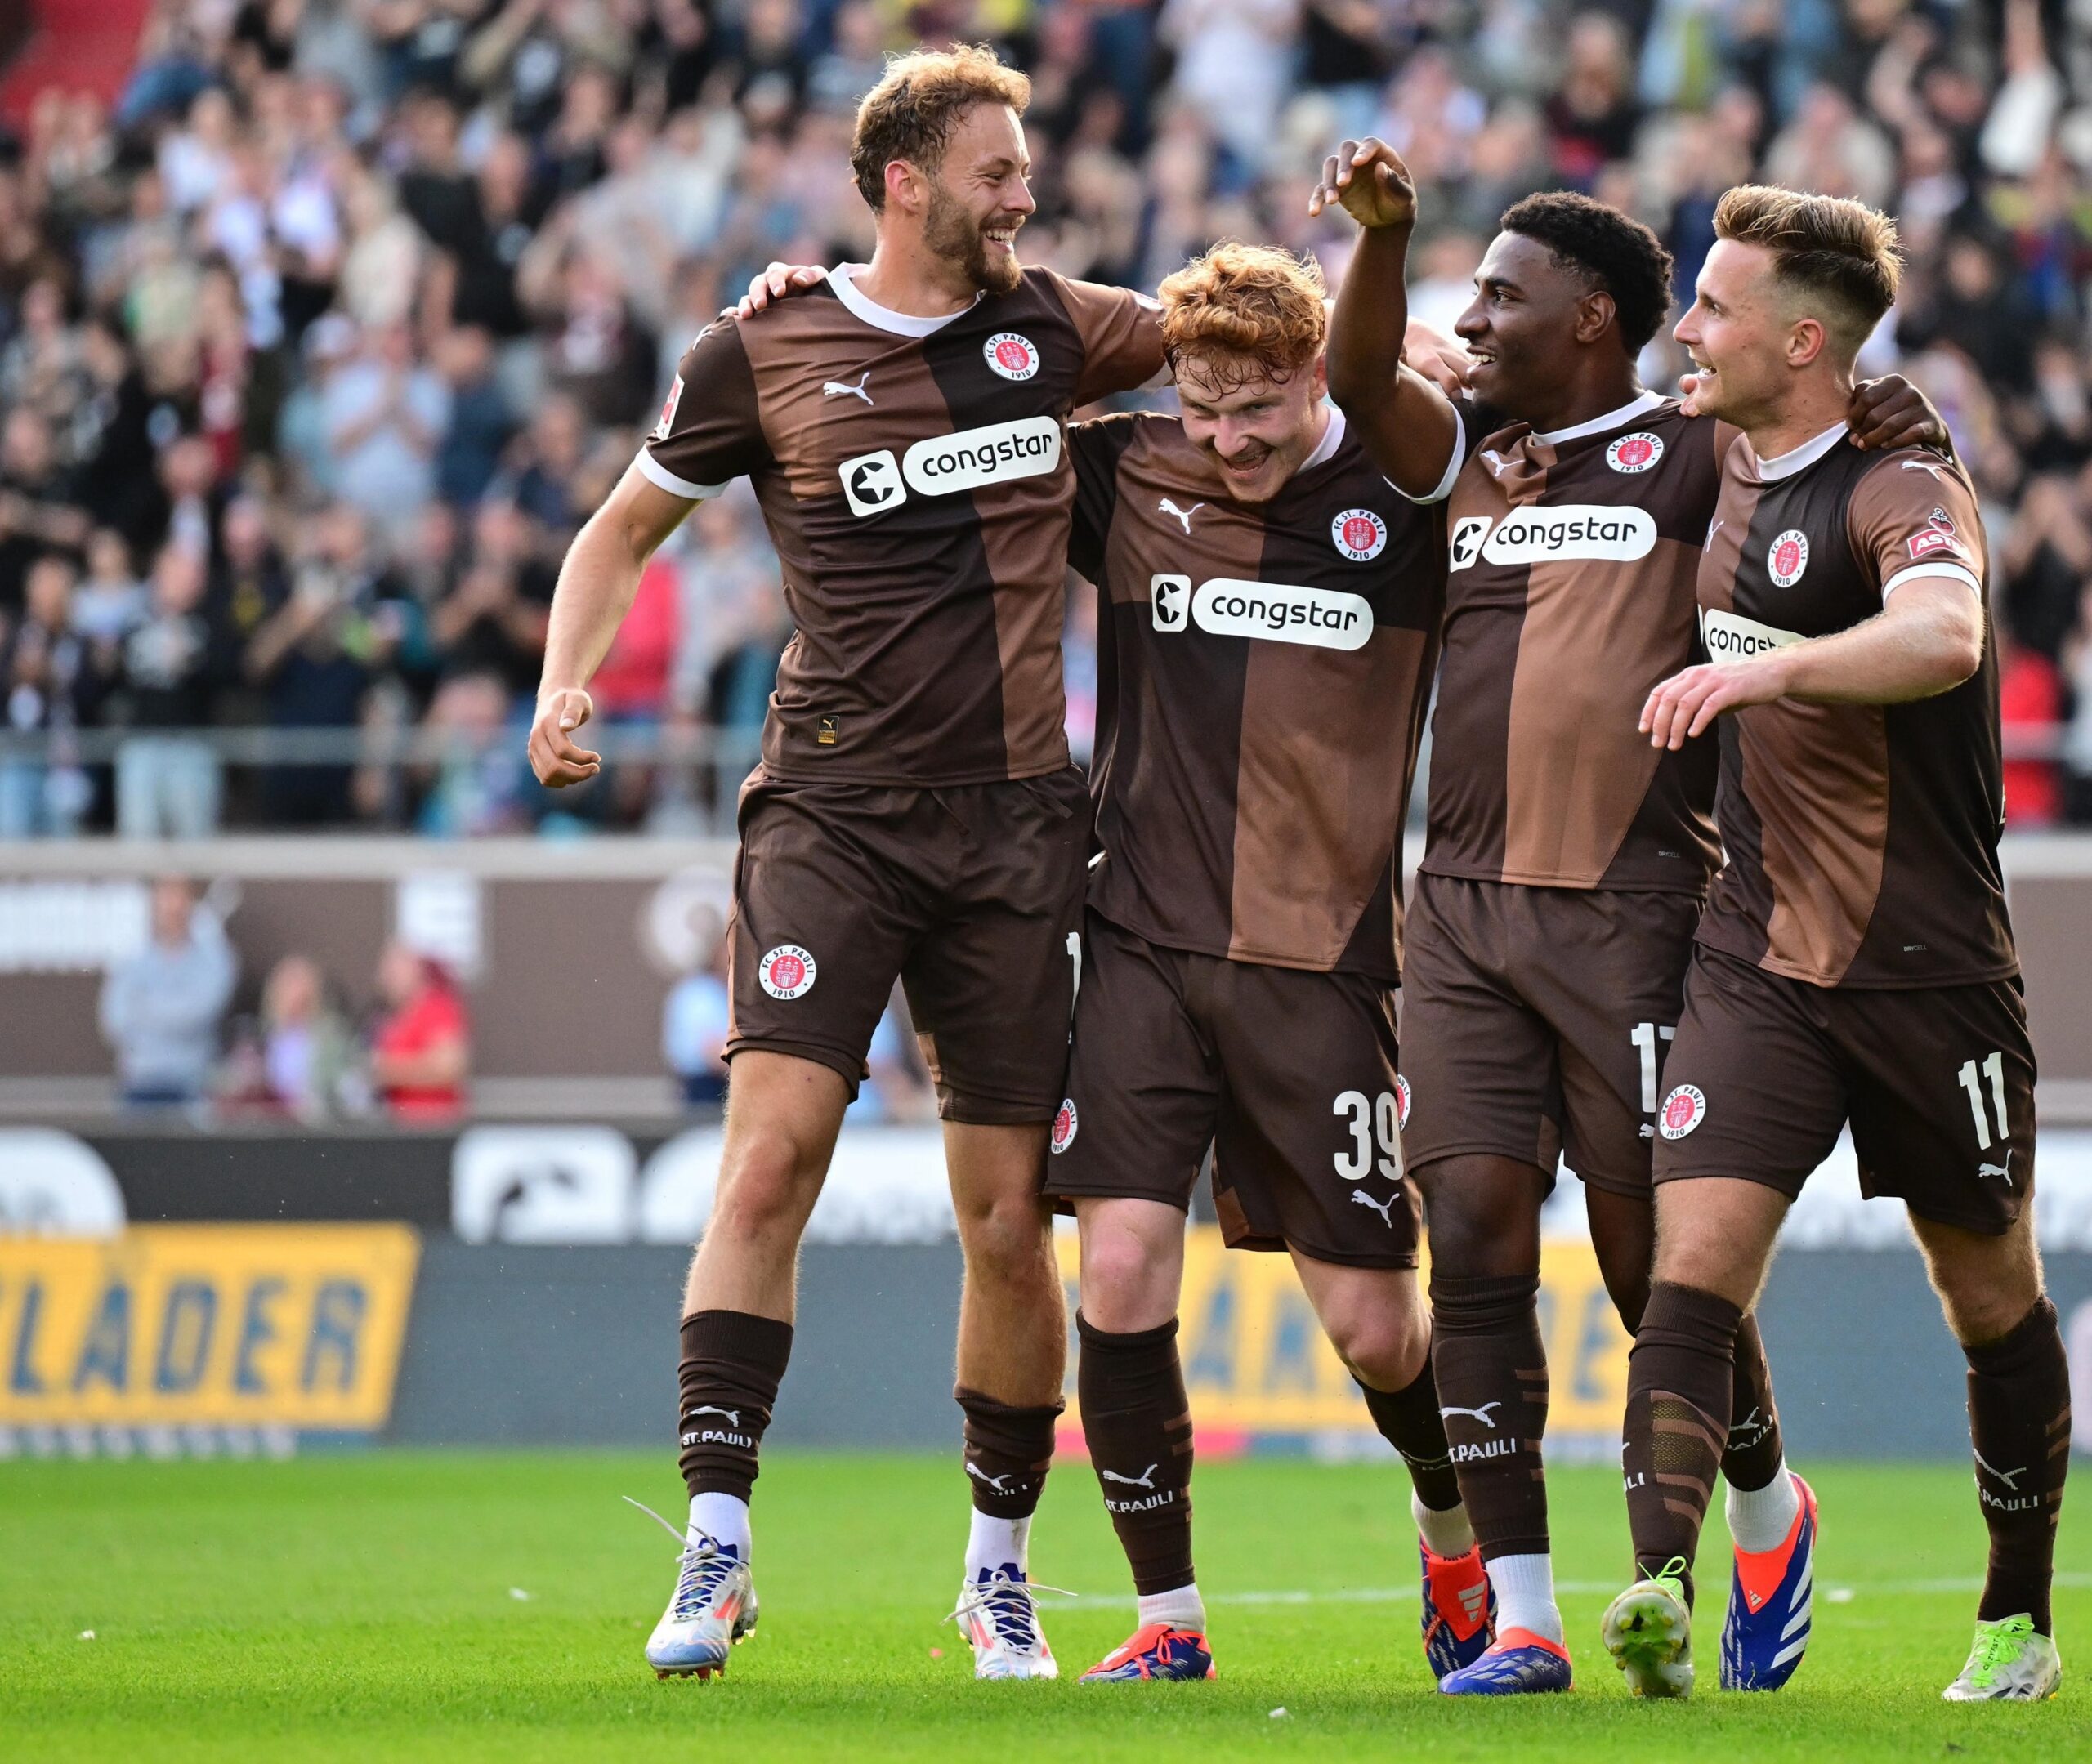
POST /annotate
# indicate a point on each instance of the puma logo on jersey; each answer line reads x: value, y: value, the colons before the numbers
x: 1385, y: 1208
x: 836, y: 389
x: 1145, y: 1480
x: 1925, y: 465
x: 1167, y: 507
x: 1481, y: 1414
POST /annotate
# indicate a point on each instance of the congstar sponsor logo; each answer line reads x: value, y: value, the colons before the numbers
x: 946, y: 464
x: 1574, y: 530
x: 1323, y: 618
x: 1730, y: 637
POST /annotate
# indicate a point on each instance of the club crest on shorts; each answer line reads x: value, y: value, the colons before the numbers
x: 1684, y: 1109
x: 1012, y: 356
x: 1064, y: 1127
x: 788, y: 972
x: 1787, y: 558
x: 1634, y: 452
x: 1360, y: 535
x: 1402, y: 1102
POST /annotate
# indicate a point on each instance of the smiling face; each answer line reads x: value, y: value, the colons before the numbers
x: 978, y: 196
x: 1743, y: 336
x: 1530, y: 316
x: 1257, y: 430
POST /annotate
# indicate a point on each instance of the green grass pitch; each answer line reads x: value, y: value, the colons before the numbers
x: 469, y: 1606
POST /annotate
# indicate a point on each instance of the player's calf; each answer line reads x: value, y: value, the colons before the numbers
x: 1137, y: 1421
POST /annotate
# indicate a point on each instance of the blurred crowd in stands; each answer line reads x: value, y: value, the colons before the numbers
x: 189, y: 1034
x: 165, y: 1012
x: 317, y: 344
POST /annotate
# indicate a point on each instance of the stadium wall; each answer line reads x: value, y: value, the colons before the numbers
x: 568, y: 952
x: 192, y: 1293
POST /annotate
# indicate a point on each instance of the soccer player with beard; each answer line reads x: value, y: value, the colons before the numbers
x: 1265, y: 644
x: 1856, y: 963
x: 915, y: 814
x: 1565, y: 861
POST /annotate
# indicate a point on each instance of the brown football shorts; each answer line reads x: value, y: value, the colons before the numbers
x: 1536, y: 1022
x: 971, y: 894
x: 1289, y: 1076
x: 1937, y: 1082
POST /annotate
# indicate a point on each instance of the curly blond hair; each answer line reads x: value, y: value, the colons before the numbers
x: 1257, y: 308
x: 909, y: 113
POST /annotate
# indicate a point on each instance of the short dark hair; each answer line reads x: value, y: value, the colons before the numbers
x: 1840, y: 253
x: 909, y: 113
x: 1614, y: 250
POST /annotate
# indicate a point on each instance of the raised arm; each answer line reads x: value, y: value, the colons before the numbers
x: 1407, y: 425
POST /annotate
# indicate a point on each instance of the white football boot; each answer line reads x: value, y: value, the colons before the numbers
x: 1648, y: 1632
x: 2008, y: 1663
x: 713, y: 1607
x: 997, y: 1614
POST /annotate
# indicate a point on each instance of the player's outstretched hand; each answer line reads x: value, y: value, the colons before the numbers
x: 554, y: 756
x: 1368, y: 180
x: 1890, y: 412
x: 1687, y: 703
x: 774, y: 283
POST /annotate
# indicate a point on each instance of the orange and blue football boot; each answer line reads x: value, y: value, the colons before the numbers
x: 1770, y: 1599
x: 1516, y: 1663
x: 1459, y: 1608
x: 1154, y: 1651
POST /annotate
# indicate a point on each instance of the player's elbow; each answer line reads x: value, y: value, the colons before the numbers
x: 1960, y: 643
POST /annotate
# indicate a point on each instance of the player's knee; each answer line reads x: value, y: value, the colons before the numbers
x: 1005, y: 1237
x: 1987, y: 1303
x: 766, y: 1190
x: 1467, y: 1223
x: 1127, y: 1284
x: 1385, y: 1349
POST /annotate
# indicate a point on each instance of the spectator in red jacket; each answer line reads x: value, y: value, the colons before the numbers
x: 421, y: 1052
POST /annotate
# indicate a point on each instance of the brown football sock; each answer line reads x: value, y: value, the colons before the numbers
x: 1008, y: 1452
x: 1753, y: 1452
x: 1138, y: 1424
x: 732, y: 1364
x: 1491, y: 1368
x: 2019, y: 1421
x: 1680, y: 1387
x: 1409, y: 1420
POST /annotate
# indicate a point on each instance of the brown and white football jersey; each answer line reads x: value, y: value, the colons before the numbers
x: 912, y: 474
x: 1572, y: 557
x: 1263, y: 675
x: 1861, y: 838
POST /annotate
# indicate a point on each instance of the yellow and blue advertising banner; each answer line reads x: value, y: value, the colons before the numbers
x: 1256, y: 1361
x: 287, y: 1327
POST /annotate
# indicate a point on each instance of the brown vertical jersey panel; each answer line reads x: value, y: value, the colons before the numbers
x: 914, y: 481
x: 1861, y: 838
x: 1263, y: 674
x: 1570, y: 595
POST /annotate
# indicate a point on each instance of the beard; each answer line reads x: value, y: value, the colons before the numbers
x: 954, y: 234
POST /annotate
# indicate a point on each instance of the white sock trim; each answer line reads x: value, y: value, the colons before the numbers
x: 1759, y: 1519
x: 723, y: 1518
x: 1524, y: 1596
x: 1447, y: 1533
x: 993, y: 1543
x: 1181, y: 1607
